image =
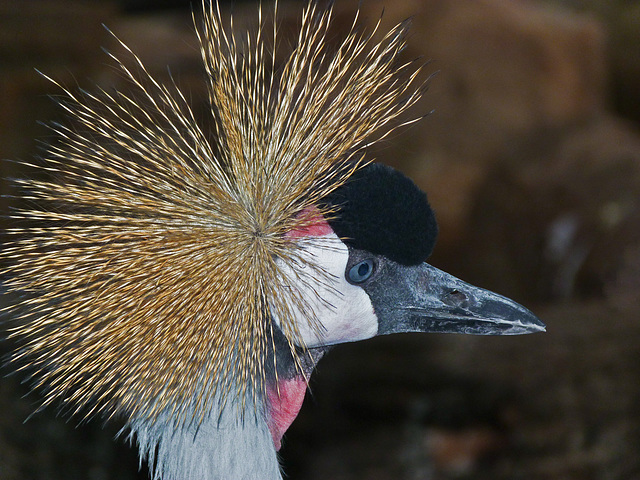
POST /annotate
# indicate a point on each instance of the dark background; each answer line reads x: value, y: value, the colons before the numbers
x: 531, y: 160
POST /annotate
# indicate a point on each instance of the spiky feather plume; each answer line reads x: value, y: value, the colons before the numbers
x: 147, y: 264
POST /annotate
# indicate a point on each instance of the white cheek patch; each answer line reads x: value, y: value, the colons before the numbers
x: 344, y: 310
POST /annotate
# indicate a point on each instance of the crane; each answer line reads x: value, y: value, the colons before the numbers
x: 189, y: 280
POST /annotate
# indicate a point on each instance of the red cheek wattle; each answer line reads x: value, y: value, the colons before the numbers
x: 316, y: 225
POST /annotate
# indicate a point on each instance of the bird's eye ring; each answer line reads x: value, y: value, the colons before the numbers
x: 361, y: 271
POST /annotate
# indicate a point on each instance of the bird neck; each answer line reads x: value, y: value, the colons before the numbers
x: 237, y: 440
x: 232, y: 443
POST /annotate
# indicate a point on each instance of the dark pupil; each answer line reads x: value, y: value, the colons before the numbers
x: 363, y: 269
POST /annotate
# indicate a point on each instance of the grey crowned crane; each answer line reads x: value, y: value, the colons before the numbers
x: 189, y: 281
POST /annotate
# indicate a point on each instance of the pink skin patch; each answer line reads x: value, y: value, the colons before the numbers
x: 316, y: 225
x: 283, y: 406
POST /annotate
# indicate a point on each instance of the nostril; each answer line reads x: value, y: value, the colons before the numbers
x: 457, y: 298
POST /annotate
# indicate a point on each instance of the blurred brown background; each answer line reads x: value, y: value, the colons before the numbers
x: 531, y: 160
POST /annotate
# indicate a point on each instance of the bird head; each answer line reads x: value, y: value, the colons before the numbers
x: 373, y: 251
x: 170, y: 276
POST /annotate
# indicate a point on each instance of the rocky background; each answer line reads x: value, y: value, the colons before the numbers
x: 531, y: 159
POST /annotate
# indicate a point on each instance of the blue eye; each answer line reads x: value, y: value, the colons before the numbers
x: 361, y: 271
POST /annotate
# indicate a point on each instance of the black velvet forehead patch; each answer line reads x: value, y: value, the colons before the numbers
x: 382, y: 211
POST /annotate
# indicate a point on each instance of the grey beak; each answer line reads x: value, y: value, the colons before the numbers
x: 422, y: 298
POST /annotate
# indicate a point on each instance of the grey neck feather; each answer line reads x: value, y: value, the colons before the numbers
x: 225, y: 446
x: 234, y: 444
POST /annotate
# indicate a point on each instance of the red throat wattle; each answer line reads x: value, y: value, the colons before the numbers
x: 283, y: 405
